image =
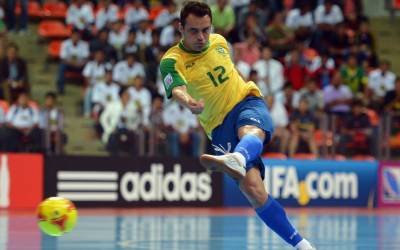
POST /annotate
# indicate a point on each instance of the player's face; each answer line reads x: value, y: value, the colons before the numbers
x: 196, y: 32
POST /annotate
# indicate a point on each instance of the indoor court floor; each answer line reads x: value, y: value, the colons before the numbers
x: 204, y: 229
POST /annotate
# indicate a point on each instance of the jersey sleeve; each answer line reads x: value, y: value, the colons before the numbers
x: 171, y: 76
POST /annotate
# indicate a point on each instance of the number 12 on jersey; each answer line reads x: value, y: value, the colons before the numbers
x: 220, y: 72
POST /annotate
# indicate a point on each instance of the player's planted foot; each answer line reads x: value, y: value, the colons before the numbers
x: 304, y: 245
x: 228, y: 163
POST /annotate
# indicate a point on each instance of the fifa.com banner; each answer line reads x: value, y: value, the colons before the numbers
x: 389, y: 184
x: 314, y: 183
x: 21, y: 180
x: 132, y: 182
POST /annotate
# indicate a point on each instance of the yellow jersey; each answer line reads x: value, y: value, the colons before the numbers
x: 209, y: 75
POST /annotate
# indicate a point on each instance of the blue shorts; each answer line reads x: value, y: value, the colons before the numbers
x: 250, y: 111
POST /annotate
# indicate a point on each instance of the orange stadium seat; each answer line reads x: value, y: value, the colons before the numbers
x: 55, y: 10
x: 53, y: 30
x: 155, y: 11
x: 34, y: 9
x: 54, y: 48
x: 304, y: 156
x: 275, y: 155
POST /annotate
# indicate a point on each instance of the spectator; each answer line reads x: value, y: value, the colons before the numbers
x: 380, y: 81
x: 166, y: 15
x: 183, y: 131
x: 51, y: 121
x: 356, y: 131
x: 126, y: 71
x: 94, y: 72
x: 74, y: 55
x: 313, y: 95
x: 141, y: 97
x: 104, y: 92
x: 337, y: 96
x: 243, y: 68
x: 302, y: 127
x: 167, y: 33
x: 22, y: 126
x: 13, y: 74
x: 287, y: 96
x: 301, y: 21
x: 280, y: 119
x: 135, y: 13
x: 279, y: 37
x: 322, y: 69
x: 223, y: 17
x: 392, y: 98
x: 152, y: 55
x: 294, y: 71
x: 80, y: 16
x: 270, y: 72
x: 158, y: 130
x: 119, y: 120
x: 143, y: 34
x: 251, y: 24
x: 106, y: 15
x: 252, y: 9
x: 130, y: 47
x: 23, y: 17
x: 354, y: 77
x: 118, y: 35
x: 100, y: 42
x: 365, y: 39
x: 249, y: 50
x: 3, y: 28
x: 340, y: 43
x: 327, y: 15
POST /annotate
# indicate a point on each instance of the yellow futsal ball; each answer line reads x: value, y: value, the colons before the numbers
x: 56, y: 216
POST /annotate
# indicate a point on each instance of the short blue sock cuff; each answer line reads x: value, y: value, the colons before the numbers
x: 250, y: 146
x: 273, y: 214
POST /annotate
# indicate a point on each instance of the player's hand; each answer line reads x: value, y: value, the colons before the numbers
x: 195, y: 106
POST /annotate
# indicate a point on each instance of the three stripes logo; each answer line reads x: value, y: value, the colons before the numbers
x: 88, y: 185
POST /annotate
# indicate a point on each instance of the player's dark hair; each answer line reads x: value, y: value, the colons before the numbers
x: 198, y: 9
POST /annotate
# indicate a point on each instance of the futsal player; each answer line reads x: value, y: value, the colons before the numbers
x: 199, y: 74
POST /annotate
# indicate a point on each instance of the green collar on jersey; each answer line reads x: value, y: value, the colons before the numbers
x: 193, y: 51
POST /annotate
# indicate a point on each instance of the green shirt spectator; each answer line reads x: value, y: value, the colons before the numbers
x: 223, y: 17
x: 354, y: 76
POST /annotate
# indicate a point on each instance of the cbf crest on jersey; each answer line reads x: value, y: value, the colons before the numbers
x: 221, y: 50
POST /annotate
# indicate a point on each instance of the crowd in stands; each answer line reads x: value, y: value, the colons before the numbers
x: 314, y: 61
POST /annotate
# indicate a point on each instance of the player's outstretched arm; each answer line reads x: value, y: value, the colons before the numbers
x: 181, y: 95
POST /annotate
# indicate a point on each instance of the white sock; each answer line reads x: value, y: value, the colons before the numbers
x: 304, y: 245
x: 241, y: 158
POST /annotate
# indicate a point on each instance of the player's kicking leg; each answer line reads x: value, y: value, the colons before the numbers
x: 250, y: 183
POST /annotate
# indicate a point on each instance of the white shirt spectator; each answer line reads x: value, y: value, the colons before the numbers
x: 118, y: 39
x: 51, y: 119
x: 143, y: 38
x: 95, y: 72
x: 71, y: 51
x: 105, y: 93
x: 243, y: 68
x: 279, y: 114
x: 2, y: 116
x: 238, y: 3
x: 164, y: 18
x: 81, y: 17
x: 331, y: 94
x: 105, y: 16
x: 134, y: 15
x: 123, y: 73
x: 142, y: 100
x: 181, y: 119
x: 380, y: 83
x: 271, y: 72
x: 22, y: 117
x: 167, y: 35
x: 1, y: 13
x: 110, y: 119
x: 335, y: 16
x: 294, y: 19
